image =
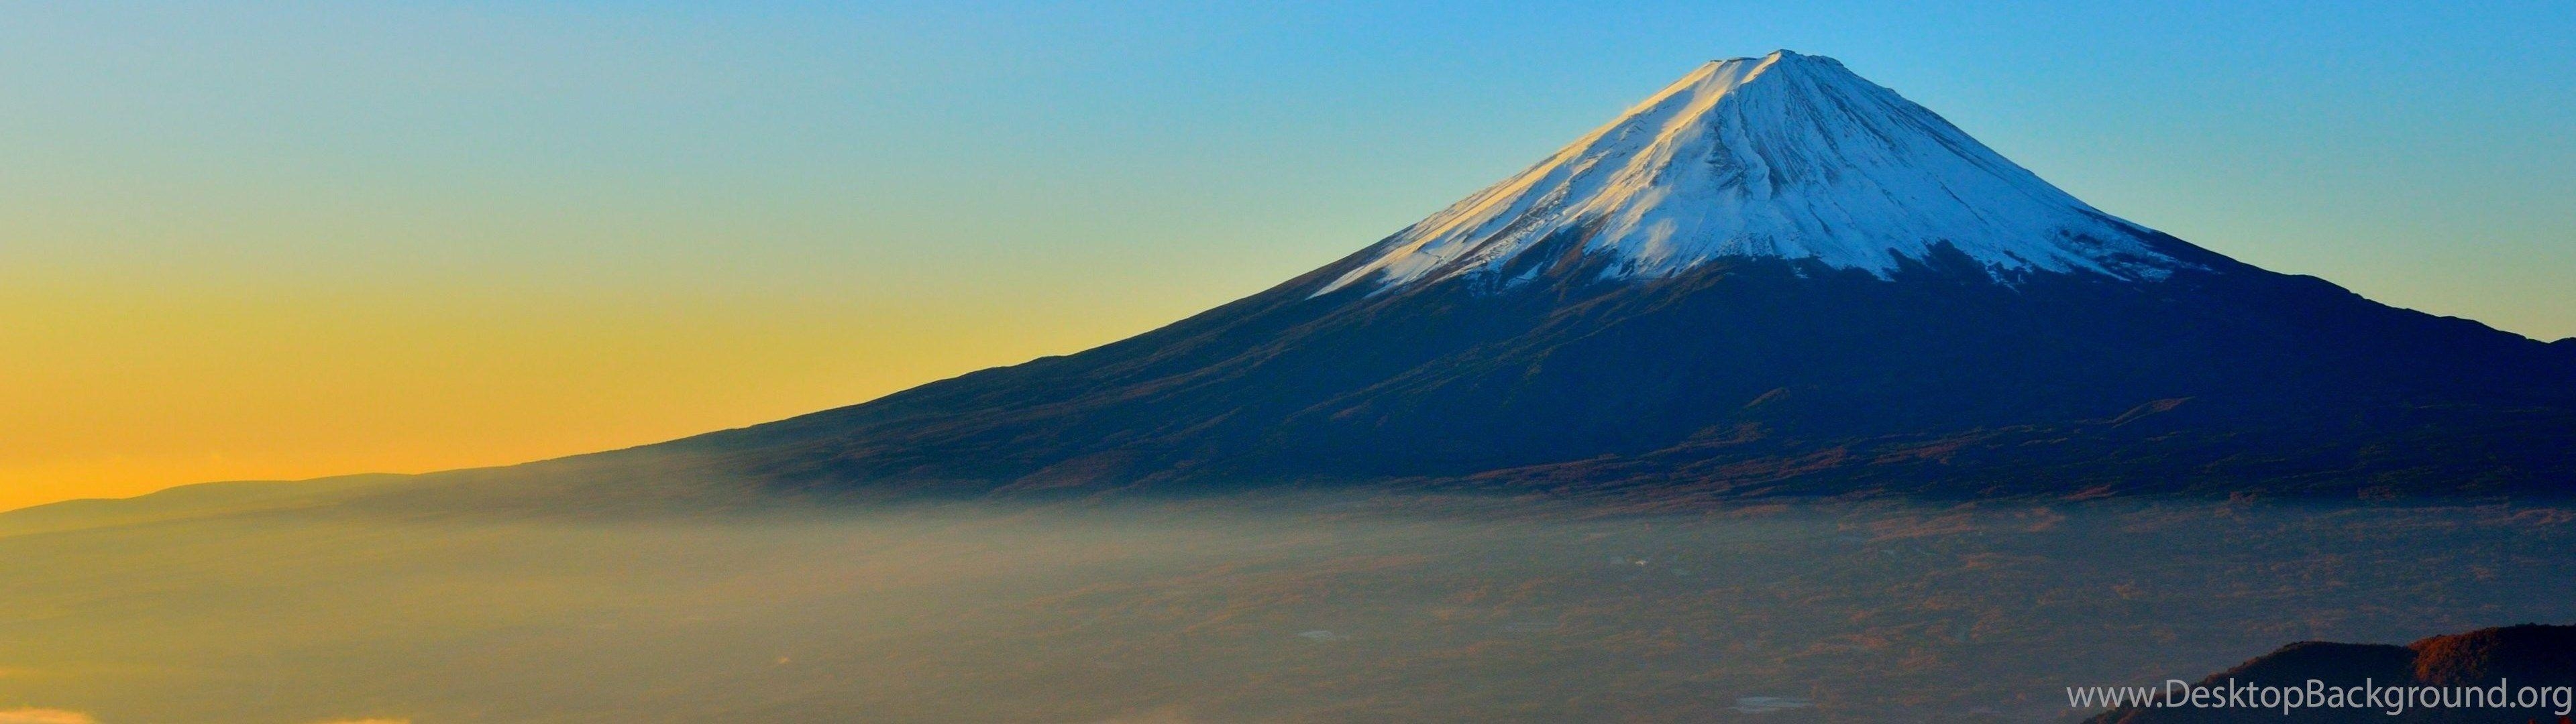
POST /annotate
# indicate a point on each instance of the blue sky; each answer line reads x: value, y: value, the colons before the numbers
x: 2413, y: 150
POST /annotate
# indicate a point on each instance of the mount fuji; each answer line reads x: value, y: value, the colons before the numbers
x: 1770, y: 277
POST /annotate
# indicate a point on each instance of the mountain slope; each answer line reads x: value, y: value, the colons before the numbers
x: 1771, y: 277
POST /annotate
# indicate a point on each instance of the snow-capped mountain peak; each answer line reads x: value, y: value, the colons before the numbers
x: 1786, y: 155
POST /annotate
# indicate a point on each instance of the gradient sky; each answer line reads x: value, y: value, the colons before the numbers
x: 279, y: 240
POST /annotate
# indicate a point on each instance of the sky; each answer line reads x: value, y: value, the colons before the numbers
x: 284, y: 240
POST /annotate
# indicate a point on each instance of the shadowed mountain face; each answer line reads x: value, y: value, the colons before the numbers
x: 1773, y: 277
x: 2518, y: 656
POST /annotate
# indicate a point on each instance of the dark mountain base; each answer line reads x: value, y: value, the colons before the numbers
x: 1742, y: 377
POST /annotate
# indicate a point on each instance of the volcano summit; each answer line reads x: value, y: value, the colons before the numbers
x: 1785, y: 156
x: 1771, y: 277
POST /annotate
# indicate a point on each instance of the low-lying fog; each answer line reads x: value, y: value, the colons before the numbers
x: 1321, y: 607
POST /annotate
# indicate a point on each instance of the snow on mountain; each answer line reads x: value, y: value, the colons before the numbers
x: 1786, y: 155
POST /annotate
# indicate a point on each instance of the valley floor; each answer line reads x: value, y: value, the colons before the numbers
x: 1291, y: 607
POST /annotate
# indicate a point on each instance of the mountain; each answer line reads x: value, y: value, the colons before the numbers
x: 1771, y: 277
x: 2526, y: 655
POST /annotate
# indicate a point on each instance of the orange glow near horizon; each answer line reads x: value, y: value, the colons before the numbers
x: 121, y: 393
